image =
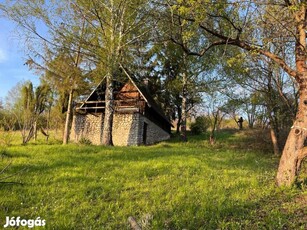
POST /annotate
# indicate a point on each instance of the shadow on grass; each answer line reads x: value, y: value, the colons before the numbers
x: 4, y: 154
x: 230, y: 214
x: 118, y: 157
x: 180, y: 185
x: 240, y: 140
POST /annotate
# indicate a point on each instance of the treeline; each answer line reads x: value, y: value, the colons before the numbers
x: 31, y: 110
x: 216, y: 57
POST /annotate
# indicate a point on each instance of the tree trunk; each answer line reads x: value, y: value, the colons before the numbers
x: 30, y: 134
x: 48, y: 124
x: 212, y: 134
x: 274, y: 140
x: 68, y: 118
x: 35, y: 130
x: 179, y: 119
x: 69, y: 113
x: 219, y: 123
x: 289, y: 163
x: 184, y: 108
x: 108, y: 117
x: 251, y: 120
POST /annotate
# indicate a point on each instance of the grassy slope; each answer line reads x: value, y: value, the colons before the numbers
x: 172, y: 185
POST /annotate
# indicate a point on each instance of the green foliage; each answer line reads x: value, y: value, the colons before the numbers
x: 6, y: 138
x: 63, y: 74
x: 84, y: 141
x: 27, y: 108
x: 178, y: 78
x: 200, y: 125
x: 34, y: 101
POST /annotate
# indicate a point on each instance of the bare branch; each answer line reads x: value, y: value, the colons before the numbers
x: 253, y: 48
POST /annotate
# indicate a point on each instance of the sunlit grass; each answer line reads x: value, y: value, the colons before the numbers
x: 172, y: 185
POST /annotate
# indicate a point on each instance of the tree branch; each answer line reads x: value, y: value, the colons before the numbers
x: 200, y: 53
x: 288, y: 3
x: 253, y: 48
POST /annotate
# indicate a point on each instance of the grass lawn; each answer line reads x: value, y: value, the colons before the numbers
x: 170, y: 185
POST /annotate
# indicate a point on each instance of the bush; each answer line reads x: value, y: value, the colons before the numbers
x: 200, y: 125
x: 84, y: 141
x: 6, y: 138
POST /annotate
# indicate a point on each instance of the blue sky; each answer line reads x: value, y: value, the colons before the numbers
x: 12, y: 59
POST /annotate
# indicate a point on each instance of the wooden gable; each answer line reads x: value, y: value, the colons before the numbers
x: 129, y: 97
x: 128, y: 91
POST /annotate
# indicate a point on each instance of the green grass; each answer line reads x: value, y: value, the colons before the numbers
x: 172, y: 185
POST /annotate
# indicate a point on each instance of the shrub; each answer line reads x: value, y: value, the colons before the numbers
x: 84, y: 141
x: 200, y: 125
x: 6, y: 138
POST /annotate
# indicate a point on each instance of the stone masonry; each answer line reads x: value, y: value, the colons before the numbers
x: 128, y: 129
x: 154, y: 132
x: 87, y: 126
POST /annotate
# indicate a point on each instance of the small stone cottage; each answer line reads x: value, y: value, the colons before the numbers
x: 138, y: 120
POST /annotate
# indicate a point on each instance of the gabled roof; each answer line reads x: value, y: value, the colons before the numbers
x: 98, y: 95
x: 149, y: 99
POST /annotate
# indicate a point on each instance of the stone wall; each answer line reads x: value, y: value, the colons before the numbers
x: 87, y: 126
x: 154, y: 132
x: 128, y: 129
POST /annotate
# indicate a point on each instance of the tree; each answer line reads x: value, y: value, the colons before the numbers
x: 182, y: 72
x: 216, y: 104
x: 268, y: 88
x: 117, y: 29
x: 178, y: 79
x: 232, y: 108
x: 242, y: 24
x: 65, y: 76
x: 51, y: 33
x: 26, y: 104
x: 97, y: 35
x: 34, y: 103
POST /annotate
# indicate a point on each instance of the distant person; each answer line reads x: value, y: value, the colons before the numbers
x: 240, y: 123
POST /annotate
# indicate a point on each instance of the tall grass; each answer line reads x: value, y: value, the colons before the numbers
x: 171, y: 185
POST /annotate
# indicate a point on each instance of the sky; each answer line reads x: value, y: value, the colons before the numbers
x: 12, y: 59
